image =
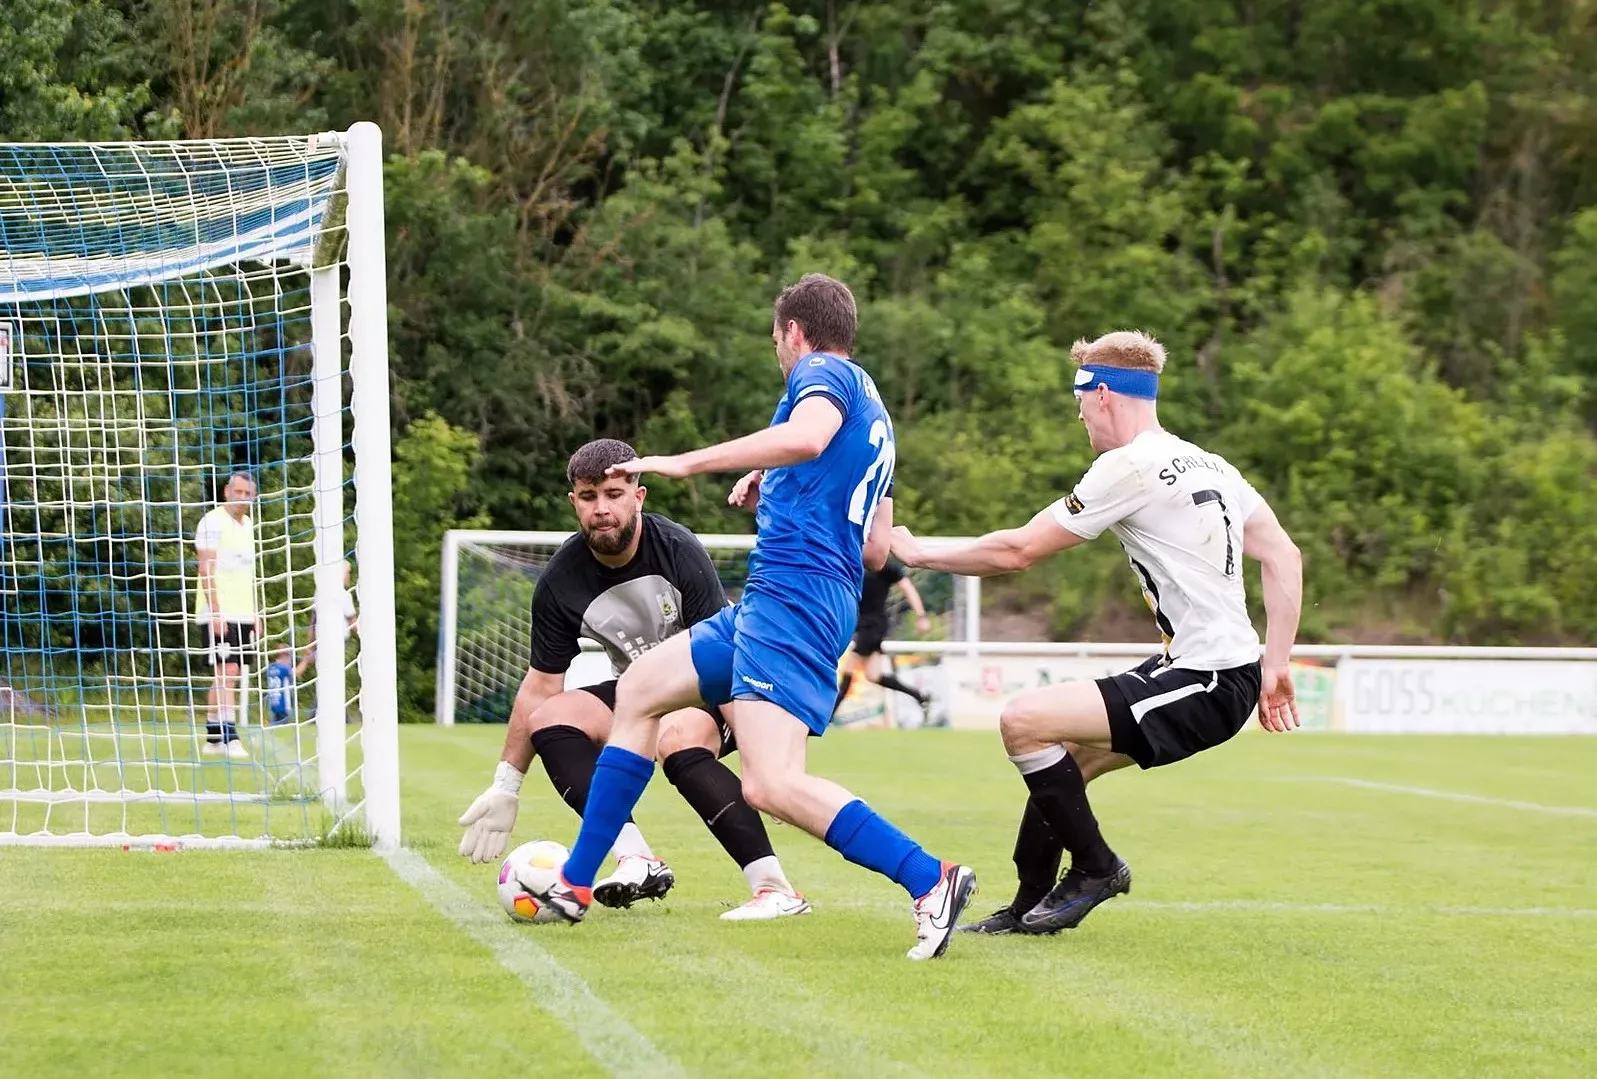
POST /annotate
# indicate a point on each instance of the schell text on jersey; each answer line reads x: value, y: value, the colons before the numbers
x: 1190, y: 463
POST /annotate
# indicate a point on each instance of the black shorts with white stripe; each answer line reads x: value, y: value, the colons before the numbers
x: 1160, y: 714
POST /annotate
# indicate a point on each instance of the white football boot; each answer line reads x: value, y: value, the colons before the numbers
x: 635, y: 878
x: 938, y: 910
x: 767, y: 905
x: 212, y: 749
x: 236, y: 751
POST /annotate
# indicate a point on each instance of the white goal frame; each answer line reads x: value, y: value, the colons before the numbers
x: 449, y: 598
x: 360, y: 201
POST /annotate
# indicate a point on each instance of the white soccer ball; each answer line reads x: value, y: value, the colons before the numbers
x: 526, y: 875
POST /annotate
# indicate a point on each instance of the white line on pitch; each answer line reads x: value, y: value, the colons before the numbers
x: 1451, y: 796
x: 608, y: 1038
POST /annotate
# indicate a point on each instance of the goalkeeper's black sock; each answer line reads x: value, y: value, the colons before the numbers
x: 842, y: 691
x: 716, y: 795
x: 569, y: 756
x: 888, y: 681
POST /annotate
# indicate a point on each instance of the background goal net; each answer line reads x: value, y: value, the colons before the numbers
x: 485, y: 627
x: 172, y: 314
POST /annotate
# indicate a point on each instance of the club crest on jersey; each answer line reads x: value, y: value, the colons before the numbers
x: 668, y: 609
x: 1073, y: 503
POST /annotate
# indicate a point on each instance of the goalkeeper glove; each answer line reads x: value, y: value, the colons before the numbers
x: 492, y: 816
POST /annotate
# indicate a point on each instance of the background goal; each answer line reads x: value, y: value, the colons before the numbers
x: 485, y: 624
x: 172, y: 313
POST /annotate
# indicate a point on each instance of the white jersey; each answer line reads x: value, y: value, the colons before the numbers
x: 1178, y: 511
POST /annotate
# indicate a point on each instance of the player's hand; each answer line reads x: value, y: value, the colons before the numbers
x: 218, y: 627
x: 491, y: 818
x: 260, y: 627
x: 923, y: 624
x: 746, y: 491
x: 488, y: 824
x: 906, y: 548
x: 669, y: 467
x: 1278, y: 702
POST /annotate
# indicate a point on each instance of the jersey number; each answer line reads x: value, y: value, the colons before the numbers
x: 868, y: 495
x: 1203, y: 498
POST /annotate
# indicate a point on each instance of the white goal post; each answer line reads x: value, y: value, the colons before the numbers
x: 173, y: 314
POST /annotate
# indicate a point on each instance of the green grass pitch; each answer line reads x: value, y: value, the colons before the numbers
x: 1284, y: 922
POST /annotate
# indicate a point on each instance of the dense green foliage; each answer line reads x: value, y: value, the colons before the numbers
x: 1365, y: 229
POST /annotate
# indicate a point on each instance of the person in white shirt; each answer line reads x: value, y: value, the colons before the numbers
x: 1185, y: 518
x: 225, y: 605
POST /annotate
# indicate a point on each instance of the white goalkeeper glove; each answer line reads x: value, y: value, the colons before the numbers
x: 492, y: 816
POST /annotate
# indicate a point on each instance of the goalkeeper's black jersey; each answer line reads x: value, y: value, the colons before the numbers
x: 668, y: 586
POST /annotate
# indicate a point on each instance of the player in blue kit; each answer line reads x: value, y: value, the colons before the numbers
x: 821, y: 471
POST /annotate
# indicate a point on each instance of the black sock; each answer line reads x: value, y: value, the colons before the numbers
x: 569, y: 757
x: 716, y: 795
x: 1037, y: 854
x: 842, y: 691
x: 1060, y: 794
x: 888, y: 681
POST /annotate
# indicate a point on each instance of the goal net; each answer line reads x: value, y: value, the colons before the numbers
x: 193, y: 404
x: 485, y: 629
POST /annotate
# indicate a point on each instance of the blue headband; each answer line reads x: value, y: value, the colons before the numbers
x: 1143, y: 384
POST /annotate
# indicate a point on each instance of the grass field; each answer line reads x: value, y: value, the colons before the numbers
x: 1304, y: 906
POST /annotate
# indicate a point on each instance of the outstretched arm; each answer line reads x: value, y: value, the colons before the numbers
x: 1264, y: 539
x: 1007, y: 551
x: 804, y: 436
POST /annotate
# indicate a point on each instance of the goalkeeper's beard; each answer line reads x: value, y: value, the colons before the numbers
x: 612, y: 542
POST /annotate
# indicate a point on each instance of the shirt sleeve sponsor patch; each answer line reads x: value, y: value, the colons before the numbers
x: 1073, y: 503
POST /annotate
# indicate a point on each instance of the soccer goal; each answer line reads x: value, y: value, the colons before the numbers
x: 174, y: 316
x: 485, y: 617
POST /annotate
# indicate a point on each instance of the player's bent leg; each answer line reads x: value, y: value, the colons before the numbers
x: 656, y: 683
x: 566, y: 732
x: 1069, y: 712
x: 1037, y: 727
x: 772, y: 743
x: 689, y: 747
x: 1038, y: 849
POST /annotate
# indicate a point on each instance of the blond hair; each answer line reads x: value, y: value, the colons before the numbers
x: 1131, y: 349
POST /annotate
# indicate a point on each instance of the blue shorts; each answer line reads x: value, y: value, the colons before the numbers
x: 780, y: 644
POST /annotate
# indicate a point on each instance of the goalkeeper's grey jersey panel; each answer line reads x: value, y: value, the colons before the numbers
x: 633, y: 617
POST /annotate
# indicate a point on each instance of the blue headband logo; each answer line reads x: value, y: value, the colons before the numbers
x: 1143, y: 384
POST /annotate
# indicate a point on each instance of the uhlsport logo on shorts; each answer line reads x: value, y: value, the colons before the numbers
x: 767, y: 686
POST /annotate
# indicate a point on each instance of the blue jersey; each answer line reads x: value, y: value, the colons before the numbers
x: 279, y: 688
x: 814, y: 517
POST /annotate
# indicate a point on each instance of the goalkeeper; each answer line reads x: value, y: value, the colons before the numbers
x: 629, y: 580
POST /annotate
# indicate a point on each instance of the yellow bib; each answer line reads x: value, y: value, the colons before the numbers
x: 234, y: 568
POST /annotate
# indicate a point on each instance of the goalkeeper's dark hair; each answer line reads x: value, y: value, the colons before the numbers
x: 592, y: 462
x: 824, y: 309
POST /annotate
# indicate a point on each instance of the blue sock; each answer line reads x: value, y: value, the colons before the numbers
x: 859, y: 834
x: 619, y: 777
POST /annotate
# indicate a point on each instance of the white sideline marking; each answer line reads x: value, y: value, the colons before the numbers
x: 1360, y: 908
x: 1453, y: 796
x: 609, y: 1039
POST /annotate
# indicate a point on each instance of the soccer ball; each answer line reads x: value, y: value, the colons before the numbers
x: 526, y: 875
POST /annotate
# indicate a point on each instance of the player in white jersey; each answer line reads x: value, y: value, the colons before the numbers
x: 1185, y: 518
